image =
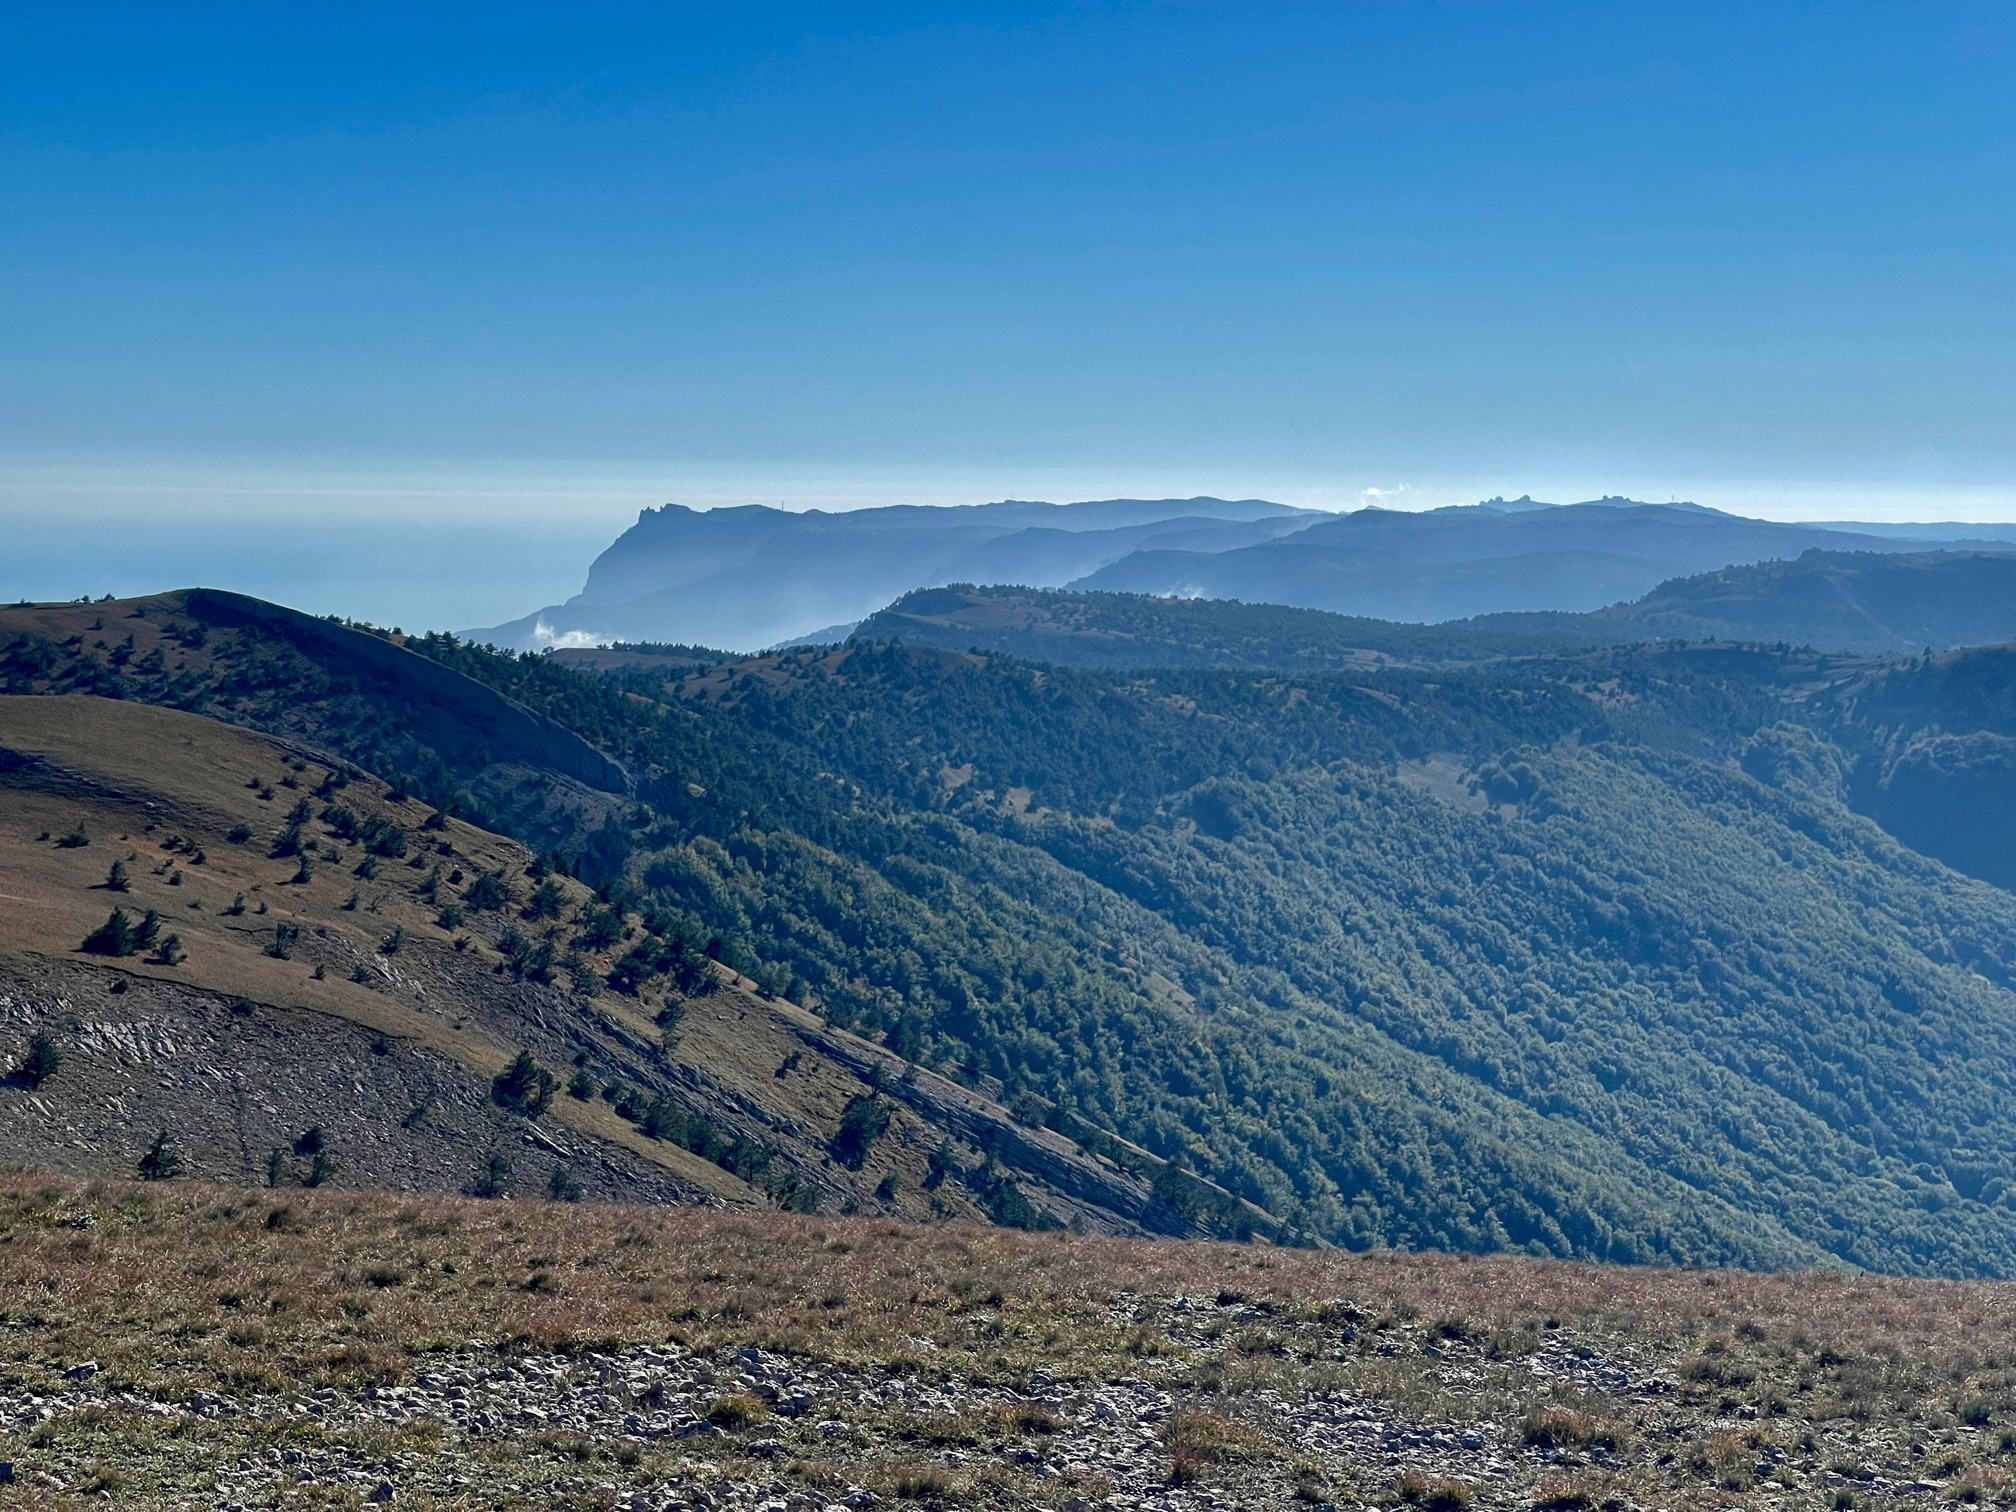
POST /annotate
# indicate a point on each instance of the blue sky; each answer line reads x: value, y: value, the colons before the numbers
x: 538, y: 266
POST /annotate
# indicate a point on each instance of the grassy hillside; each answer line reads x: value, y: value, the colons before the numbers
x: 323, y: 982
x: 182, y: 1345
x: 1586, y: 955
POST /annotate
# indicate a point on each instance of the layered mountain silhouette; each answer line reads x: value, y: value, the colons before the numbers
x: 752, y: 577
x: 1489, y: 558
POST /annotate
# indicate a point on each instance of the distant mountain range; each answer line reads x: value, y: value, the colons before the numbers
x: 1483, y: 559
x: 1861, y: 603
x: 750, y: 577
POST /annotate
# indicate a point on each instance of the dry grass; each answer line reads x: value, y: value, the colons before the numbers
x: 736, y: 1412
x: 1433, y: 1494
x: 1800, y: 1386
x: 1198, y: 1441
x: 338, y: 1286
x: 1566, y: 1428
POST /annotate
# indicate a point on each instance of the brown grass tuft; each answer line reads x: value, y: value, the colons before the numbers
x: 1432, y: 1494
x: 736, y: 1412
x: 1567, y: 1428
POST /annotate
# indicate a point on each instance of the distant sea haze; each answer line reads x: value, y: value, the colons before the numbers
x: 418, y: 573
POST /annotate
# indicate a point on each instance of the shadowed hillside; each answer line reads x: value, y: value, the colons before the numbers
x: 1074, y: 628
x: 1856, y: 602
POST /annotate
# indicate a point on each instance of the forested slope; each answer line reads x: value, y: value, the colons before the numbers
x: 1584, y: 954
x: 1076, y: 628
x: 1871, y: 603
x: 1860, y: 603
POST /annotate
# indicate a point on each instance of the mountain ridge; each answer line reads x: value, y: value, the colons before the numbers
x: 754, y: 576
x: 1468, y: 561
x: 453, y: 949
x: 1854, y: 603
x: 1585, y: 953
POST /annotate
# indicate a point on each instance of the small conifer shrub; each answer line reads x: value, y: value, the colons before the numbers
x: 161, y: 1160
x: 493, y: 1177
x: 545, y: 902
x: 486, y: 893
x: 42, y: 1061
x: 120, y: 936
x: 524, y: 1086
x: 862, y: 1122
x: 561, y: 1185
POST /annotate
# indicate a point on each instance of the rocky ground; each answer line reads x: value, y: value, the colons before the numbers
x: 663, y: 1427
x: 238, y: 1087
x: 199, y: 1348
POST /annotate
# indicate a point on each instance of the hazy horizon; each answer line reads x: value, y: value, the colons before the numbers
x: 365, y: 547
x: 282, y: 285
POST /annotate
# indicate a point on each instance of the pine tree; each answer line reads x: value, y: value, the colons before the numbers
x: 115, y: 937
x: 546, y: 902
x: 42, y: 1061
x: 525, y: 1086
x: 493, y: 1178
x: 161, y: 1161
